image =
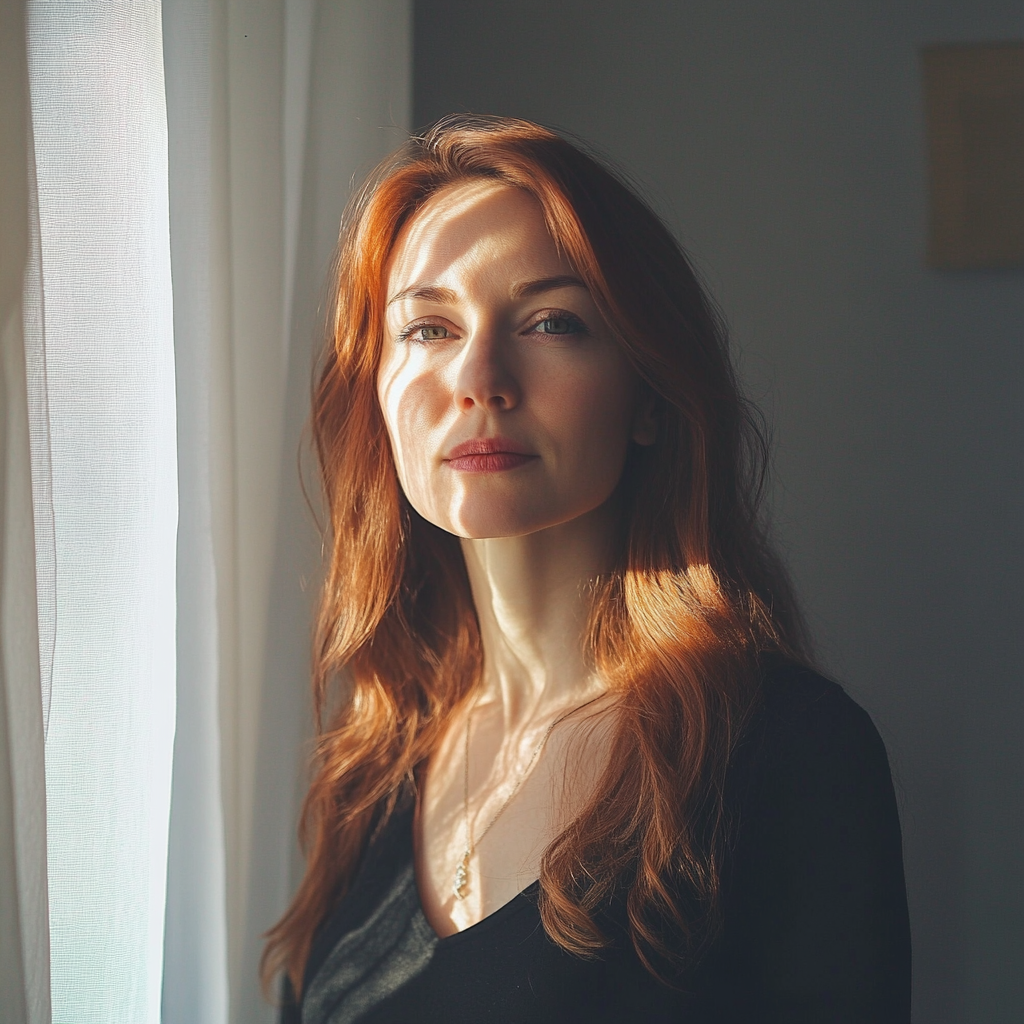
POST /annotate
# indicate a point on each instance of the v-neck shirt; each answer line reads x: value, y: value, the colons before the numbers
x: 815, y: 916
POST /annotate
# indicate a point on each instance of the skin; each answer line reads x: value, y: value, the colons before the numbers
x: 491, y: 334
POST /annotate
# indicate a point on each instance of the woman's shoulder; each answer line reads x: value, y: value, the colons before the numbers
x: 793, y: 689
x: 811, y: 763
x: 802, y: 713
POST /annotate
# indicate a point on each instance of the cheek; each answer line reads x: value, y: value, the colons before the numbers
x: 591, y: 416
x: 413, y: 402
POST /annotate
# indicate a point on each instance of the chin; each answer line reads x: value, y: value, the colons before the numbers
x: 490, y: 520
x: 506, y: 513
x: 486, y: 518
x: 484, y: 527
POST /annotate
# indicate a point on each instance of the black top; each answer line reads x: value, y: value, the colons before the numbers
x: 816, y: 926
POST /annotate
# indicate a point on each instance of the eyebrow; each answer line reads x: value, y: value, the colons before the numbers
x: 445, y: 296
x: 442, y: 296
x: 547, y: 284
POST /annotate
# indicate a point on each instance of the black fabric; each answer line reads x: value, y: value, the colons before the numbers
x: 816, y: 927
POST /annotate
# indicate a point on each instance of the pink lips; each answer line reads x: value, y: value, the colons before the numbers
x: 487, y: 455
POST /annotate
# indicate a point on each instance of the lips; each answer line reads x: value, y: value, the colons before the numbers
x: 488, y: 455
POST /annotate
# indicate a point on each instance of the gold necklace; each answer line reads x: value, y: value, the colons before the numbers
x: 462, y: 871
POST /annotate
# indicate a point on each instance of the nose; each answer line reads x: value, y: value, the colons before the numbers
x: 485, y: 378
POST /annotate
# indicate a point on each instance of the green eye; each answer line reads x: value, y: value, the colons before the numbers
x: 432, y: 333
x: 559, y: 325
x: 425, y: 333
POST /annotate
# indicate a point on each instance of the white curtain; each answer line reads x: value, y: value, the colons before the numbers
x: 270, y: 107
x: 273, y: 108
x: 99, y: 355
x: 24, y: 932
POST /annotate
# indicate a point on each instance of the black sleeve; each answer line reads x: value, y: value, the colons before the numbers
x: 291, y: 1012
x: 819, y: 903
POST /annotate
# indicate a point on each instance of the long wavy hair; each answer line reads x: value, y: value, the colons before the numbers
x: 676, y: 629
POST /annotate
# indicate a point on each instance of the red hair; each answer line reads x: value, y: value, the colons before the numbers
x: 676, y: 630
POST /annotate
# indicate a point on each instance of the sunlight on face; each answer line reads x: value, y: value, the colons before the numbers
x: 509, y: 404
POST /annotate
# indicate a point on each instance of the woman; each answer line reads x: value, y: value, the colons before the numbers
x: 575, y: 766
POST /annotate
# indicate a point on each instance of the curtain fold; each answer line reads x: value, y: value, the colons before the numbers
x: 273, y: 107
x: 195, y: 947
x: 100, y: 395
x: 24, y: 932
x: 211, y: 143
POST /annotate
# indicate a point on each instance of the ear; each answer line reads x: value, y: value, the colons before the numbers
x: 645, y: 426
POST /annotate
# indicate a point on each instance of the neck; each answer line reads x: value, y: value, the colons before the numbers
x: 532, y: 596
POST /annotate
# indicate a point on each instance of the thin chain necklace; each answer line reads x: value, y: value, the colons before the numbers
x: 462, y: 871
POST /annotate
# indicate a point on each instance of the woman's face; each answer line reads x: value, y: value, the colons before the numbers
x: 509, y: 404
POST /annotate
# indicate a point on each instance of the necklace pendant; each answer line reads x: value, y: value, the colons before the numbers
x: 461, y: 877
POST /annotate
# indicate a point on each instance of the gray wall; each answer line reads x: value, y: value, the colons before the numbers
x: 783, y: 142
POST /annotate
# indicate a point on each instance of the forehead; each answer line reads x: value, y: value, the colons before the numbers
x: 469, y: 229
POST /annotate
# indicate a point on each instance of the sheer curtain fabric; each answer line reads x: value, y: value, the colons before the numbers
x: 100, y: 373
x: 175, y: 196
x: 273, y: 108
x: 24, y: 932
